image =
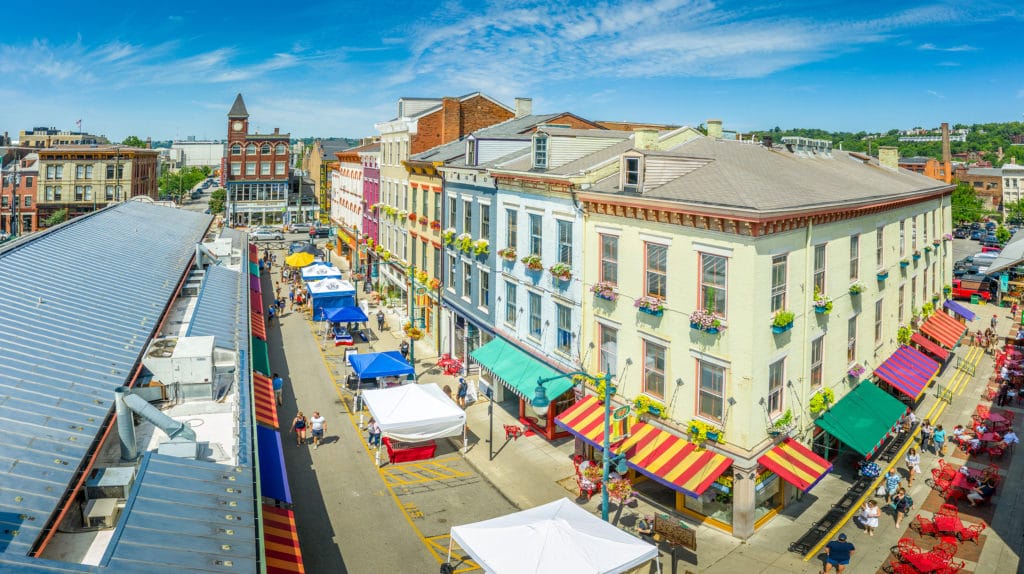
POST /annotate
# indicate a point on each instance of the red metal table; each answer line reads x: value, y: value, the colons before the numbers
x: 948, y: 524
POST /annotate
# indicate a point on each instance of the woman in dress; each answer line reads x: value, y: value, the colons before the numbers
x: 299, y: 428
x: 869, y: 516
x: 913, y: 461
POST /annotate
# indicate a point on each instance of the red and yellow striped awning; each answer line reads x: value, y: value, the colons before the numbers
x: 257, y: 326
x: 944, y: 329
x: 659, y: 454
x: 796, y: 464
x: 263, y: 396
x: 281, y: 542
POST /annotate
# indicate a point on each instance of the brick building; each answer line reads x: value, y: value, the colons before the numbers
x: 18, y: 193
x: 987, y: 183
x: 258, y: 173
x: 82, y: 179
x: 52, y: 137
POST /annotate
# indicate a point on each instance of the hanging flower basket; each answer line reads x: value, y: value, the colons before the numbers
x: 435, y: 284
x: 857, y: 288
x: 464, y: 242
x: 620, y: 490
x: 508, y: 253
x: 947, y: 237
x: 707, y: 321
x: 422, y: 276
x: 533, y: 262
x: 856, y: 371
x: 561, y: 271
x: 936, y: 243
x: 917, y: 255
x: 435, y: 225
x: 448, y: 235
x: 412, y: 217
x: 820, y: 401
x: 882, y: 275
x: 782, y: 321
x: 604, y: 290
x: 423, y: 220
x: 927, y: 249
x: 481, y: 247
x: 904, y: 263
x: 822, y: 303
x: 650, y: 305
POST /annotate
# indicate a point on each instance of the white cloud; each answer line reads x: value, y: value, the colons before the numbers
x: 960, y: 48
x: 935, y: 94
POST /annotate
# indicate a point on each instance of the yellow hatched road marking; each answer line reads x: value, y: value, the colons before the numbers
x: 440, y: 544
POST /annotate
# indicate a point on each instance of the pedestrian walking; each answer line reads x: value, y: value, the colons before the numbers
x: 373, y: 431
x: 280, y: 304
x: 380, y: 319
x: 913, y: 461
x: 461, y: 393
x: 318, y: 425
x: 892, y: 484
x: 869, y: 514
x: 994, y: 321
x: 278, y: 383
x: 271, y: 312
x: 838, y: 553
x: 901, y: 503
x: 404, y: 349
x: 939, y: 438
x: 291, y: 297
x: 299, y: 428
x: 926, y: 434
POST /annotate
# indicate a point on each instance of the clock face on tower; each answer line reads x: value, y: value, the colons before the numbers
x: 236, y: 125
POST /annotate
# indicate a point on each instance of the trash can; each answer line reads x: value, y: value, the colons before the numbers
x: 975, y: 299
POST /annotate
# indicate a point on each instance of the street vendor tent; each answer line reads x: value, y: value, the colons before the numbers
x: 554, y: 538
x: 318, y: 271
x: 414, y: 413
x: 376, y: 365
x: 330, y: 293
x: 300, y: 259
x: 345, y: 315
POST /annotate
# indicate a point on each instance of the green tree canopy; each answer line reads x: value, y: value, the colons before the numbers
x: 966, y: 204
x: 59, y: 216
x: 217, y: 199
x: 1003, y: 234
x: 133, y: 141
x: 177, y: 184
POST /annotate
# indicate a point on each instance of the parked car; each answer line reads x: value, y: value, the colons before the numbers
x: 975, y: 225
x: 977, y: 235
x: 961, y: 233
x: 990, y: 225
x: 980, y: 285
x: 323, y: 231
x: 265, y: 233
x: 299, y: 227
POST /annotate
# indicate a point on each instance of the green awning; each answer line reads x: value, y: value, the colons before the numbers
x: 254, y: 269
x: 518, y: 370
x: 862, y: 419
x: 260, y: 357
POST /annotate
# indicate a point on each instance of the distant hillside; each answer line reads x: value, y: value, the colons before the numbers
x: 987, y: 138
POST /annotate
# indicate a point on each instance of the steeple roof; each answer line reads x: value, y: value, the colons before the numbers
x: 238, y: 108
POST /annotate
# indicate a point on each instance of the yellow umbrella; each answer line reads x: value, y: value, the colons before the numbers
x: 299, y: 259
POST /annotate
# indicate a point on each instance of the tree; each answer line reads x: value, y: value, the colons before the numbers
x: 133, y: 141
x: 178, y: 184
x: 1003, y: 234
x: 59, y: 216
x: 217, y: 199
x: 966, y: 204
x: 1014, y: 210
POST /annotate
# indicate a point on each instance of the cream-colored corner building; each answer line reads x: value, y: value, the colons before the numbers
x: 749, y: 230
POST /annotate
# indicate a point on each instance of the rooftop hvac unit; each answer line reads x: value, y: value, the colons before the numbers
x: 110, y: 482
x: 100, y: 513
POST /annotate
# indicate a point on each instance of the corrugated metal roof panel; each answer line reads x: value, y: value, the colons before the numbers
x: 216, y: 312
x: 80, y: 303
x: 196, y: 515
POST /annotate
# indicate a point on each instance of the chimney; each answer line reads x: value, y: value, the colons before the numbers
x: 889, y: 157
x: 715, y: 129
x: 524, y: 107
x: 946, y: 159
x: 277, y: 131
x: 149, y: 143
x: 451, y: 120
x: 645, y: 138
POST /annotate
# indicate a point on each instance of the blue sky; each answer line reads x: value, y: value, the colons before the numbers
x: 171, y: 69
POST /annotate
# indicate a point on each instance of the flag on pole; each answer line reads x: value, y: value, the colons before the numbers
x: 79, y: 124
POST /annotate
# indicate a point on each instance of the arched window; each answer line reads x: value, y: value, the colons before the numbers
x: 236, y: 149
x: 250, y: 149
x: 265, y: 148
x: 280, y: 149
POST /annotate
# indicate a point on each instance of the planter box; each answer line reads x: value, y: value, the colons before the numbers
x: 916, y: 257
x: 852, y: 292
x: 777, y: 330
x: 904, y: 264
x: 821, y: 310
x: 882, y: 276
x: 605, y: 297
x: 712, y: 330
x: 656, y: 313
x: 654, y: 411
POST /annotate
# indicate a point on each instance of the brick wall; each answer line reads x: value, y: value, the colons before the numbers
x: 452, y: 122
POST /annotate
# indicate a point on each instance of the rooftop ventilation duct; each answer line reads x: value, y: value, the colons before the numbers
x: 125, y: 403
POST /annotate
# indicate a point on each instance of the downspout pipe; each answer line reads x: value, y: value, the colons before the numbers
x: 125, y: 401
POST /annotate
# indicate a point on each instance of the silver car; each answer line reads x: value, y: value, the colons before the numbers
x: 265, y: 234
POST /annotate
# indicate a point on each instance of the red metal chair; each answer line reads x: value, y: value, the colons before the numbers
x: 972, y: 532
x: 982, y: 411
x: 513, y: 432
x: 947, y: 548
x: 995, y: 452
x: 906, y: 547
x: 587, y: 488
x: 576, y: 461
x: 948, y: 510
x: 952, y: 568
x: 924, y: 526
x: 901, y: 568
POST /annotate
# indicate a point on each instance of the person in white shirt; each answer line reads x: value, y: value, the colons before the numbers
x: 1010, y: 438
x: 318, y: 425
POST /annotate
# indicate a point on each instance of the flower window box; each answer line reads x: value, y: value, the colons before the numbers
x: 605, y: 290
x: 707, y: 321
x: 650, y: 305
x: 533, y: 263
x: 561, y: 271
x: 782, y: 321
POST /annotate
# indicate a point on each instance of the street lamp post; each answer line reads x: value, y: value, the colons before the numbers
x: 541, y: 403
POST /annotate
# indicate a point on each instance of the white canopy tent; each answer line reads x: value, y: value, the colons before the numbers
x: 319, y: 271
x: 555, y: 538
x: 414, y: 413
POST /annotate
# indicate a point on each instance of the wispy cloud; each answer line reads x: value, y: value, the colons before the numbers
x: 935, y: 94
x: 948, y: 64
x: 960, y: 48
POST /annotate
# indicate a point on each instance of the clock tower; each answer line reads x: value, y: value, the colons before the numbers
x: 238, y: 121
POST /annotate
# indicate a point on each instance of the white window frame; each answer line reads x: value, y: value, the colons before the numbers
x: 777, y: 295
x: 663, y: 373
x: 854, y: 257
x: 817, y: 363
x: 710, y: 392
x: 776, y: 386
x: 563, y: 311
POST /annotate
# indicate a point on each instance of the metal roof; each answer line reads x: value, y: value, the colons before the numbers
x: 81, y: 302
x: 216, y: 312
x: 186, y: 515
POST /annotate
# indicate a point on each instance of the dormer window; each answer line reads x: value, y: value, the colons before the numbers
x: 631, y: 174
x: 471, y: 152
x: 540, y: 151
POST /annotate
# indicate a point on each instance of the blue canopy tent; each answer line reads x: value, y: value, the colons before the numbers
x: 378, y: 365
x: 340, y: 318
x: 345, y: 315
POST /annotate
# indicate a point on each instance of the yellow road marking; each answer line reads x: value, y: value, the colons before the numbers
x: 440, y: 553
x: 440, y: 544
x: 959, y: 382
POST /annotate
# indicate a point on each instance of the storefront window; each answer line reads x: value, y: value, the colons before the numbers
x: 767, y: 494
x: 716, y: 502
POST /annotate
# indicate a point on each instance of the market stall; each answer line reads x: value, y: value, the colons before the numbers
x: 412, y: 417
x: 340, y: 322
x: 320, y: 271
x: 378, y: 366
x: 554, y: 538
x: 329, y: 293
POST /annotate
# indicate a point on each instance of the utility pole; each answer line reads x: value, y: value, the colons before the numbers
x: 117, y: 173
x: 412, y: 313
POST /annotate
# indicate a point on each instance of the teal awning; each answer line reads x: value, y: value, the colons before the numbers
x: 260, y: 357
x: 254, y: 269
x: 518, y: 370
x: 862, y: 419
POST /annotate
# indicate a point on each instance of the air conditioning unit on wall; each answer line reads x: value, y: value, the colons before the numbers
x: 100, y: 513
